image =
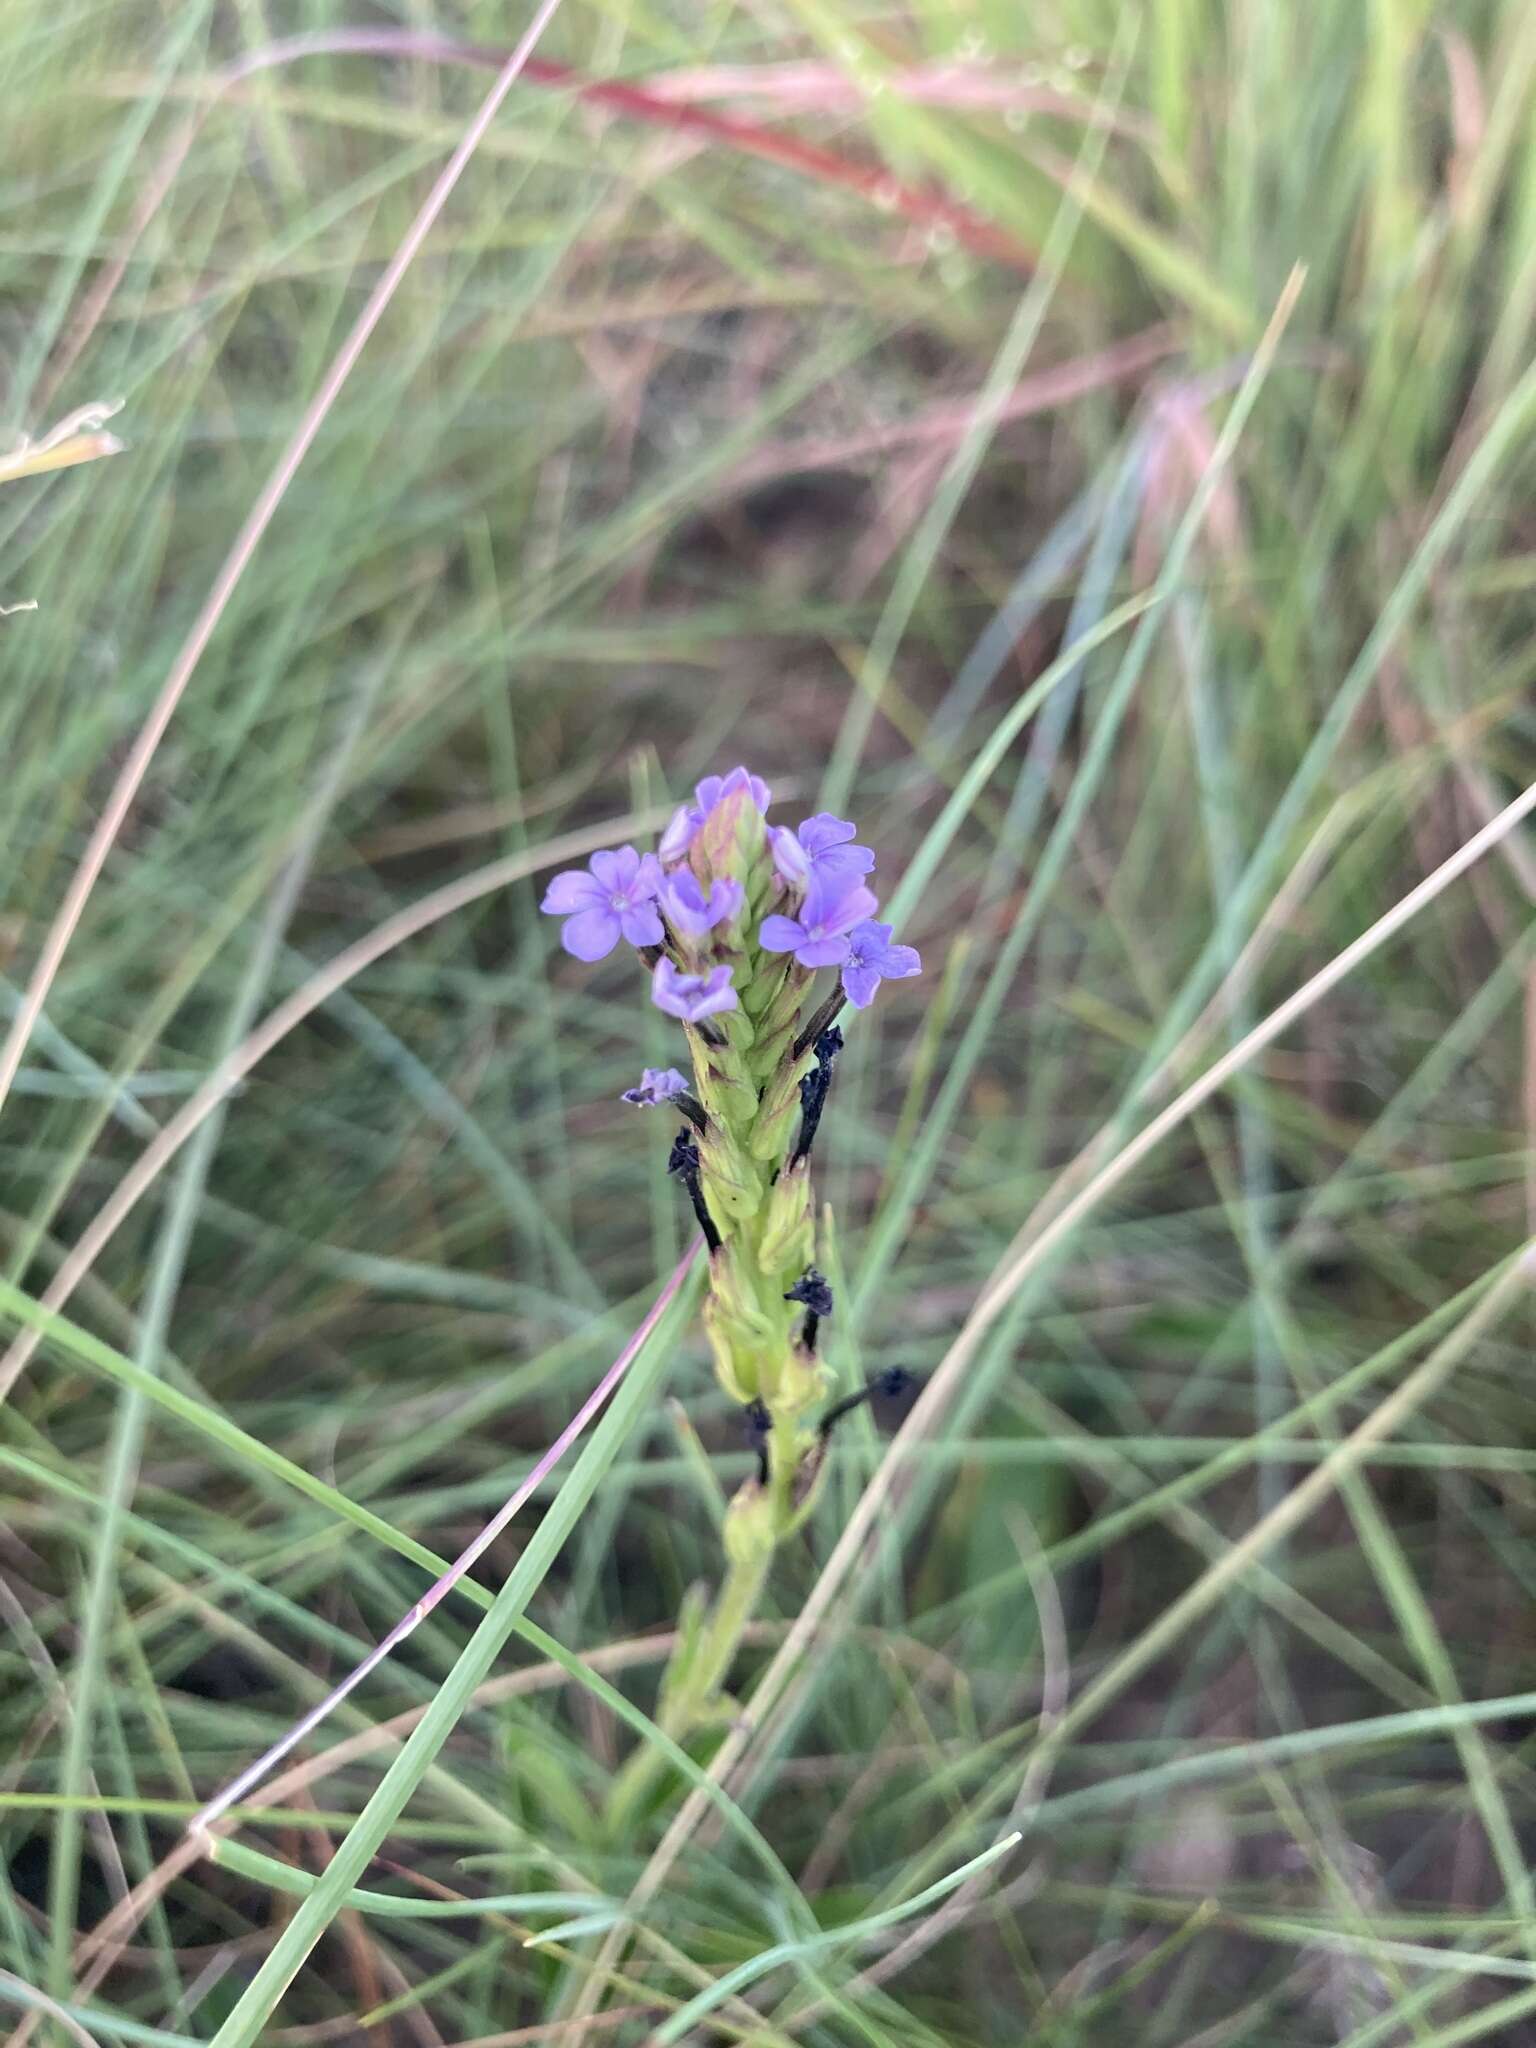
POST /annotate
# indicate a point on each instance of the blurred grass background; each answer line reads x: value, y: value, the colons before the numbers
x: 801, y: 408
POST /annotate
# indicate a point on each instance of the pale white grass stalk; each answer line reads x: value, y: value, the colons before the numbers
x: 238, y: 560
x: 1016, y: 1265
x: 275, y: 1026
x: 253, y: 1774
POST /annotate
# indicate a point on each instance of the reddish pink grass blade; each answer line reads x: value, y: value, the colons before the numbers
x: 922, y: 206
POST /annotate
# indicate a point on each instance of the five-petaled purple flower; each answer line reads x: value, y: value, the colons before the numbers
x: 818, y: 937
x: 657, y: 1084
x: 693, y: 997
x: 615, y: 900
x: 873, y: 959
x: 688, y: 819
x: 689, y: 911
x: 819, y: 853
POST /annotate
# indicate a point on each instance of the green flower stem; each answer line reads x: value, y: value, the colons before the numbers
x: 748, y: 1064
x: 695, y: 1696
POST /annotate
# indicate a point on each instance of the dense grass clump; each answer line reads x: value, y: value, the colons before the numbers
x: 1098, y: 442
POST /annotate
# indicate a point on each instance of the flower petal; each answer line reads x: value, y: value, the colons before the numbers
x: 572, y: 890
x: 844, y: 861
x: 641, y: 925
x: 837, y: 905
x: 780, y: 935
x: 691, y: 996
x: 817, y: 834
x: 682, y: 900
x: 716, y: 995
x: 591, y: 934
x: 665, y: 993
x: 859, y: 984
x: 830, y: 951
x: 790, y: 859
x: 680, y: 833
x: 615, y: 869
x: 725, y: 898
x: 900, y: 961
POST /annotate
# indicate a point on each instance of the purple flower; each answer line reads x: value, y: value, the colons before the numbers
x: 710, y: 791
x: 818, y: 937
x: 818, y: 852
x: 657, y: 1084
x: 873, y: 959
x: 680, y: 834
x: 687, y: 819
x: 689, y: 911
x: 615, y: 900
x: 693, y: 997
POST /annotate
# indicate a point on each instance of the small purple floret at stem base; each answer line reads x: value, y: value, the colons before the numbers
x: 613, y: 898
x: 688, y: 819
x: 689, y: 911
x: 692, y: 997
x: 818, y: 937
x: 873, y: 959
x: 657, y: 1085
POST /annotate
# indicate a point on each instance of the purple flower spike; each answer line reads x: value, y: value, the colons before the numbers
x: 693, y: 997
x: 657, y: 1084
x: 873, y: 959
x: 615, y: 900
x: 818, y: 937
x: 689, y: 911
x: 688, y: 819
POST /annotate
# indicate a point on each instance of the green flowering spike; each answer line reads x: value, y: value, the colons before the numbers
x: 770, y: 1051
x: 733, y: 1182
x: 774, y: 1125
x: 735, y: 1372
x: 765, y: 987
x: 788, y: 1240
x: 748, y: 1531
x: 730, y: 1104
x: 735, y: 921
